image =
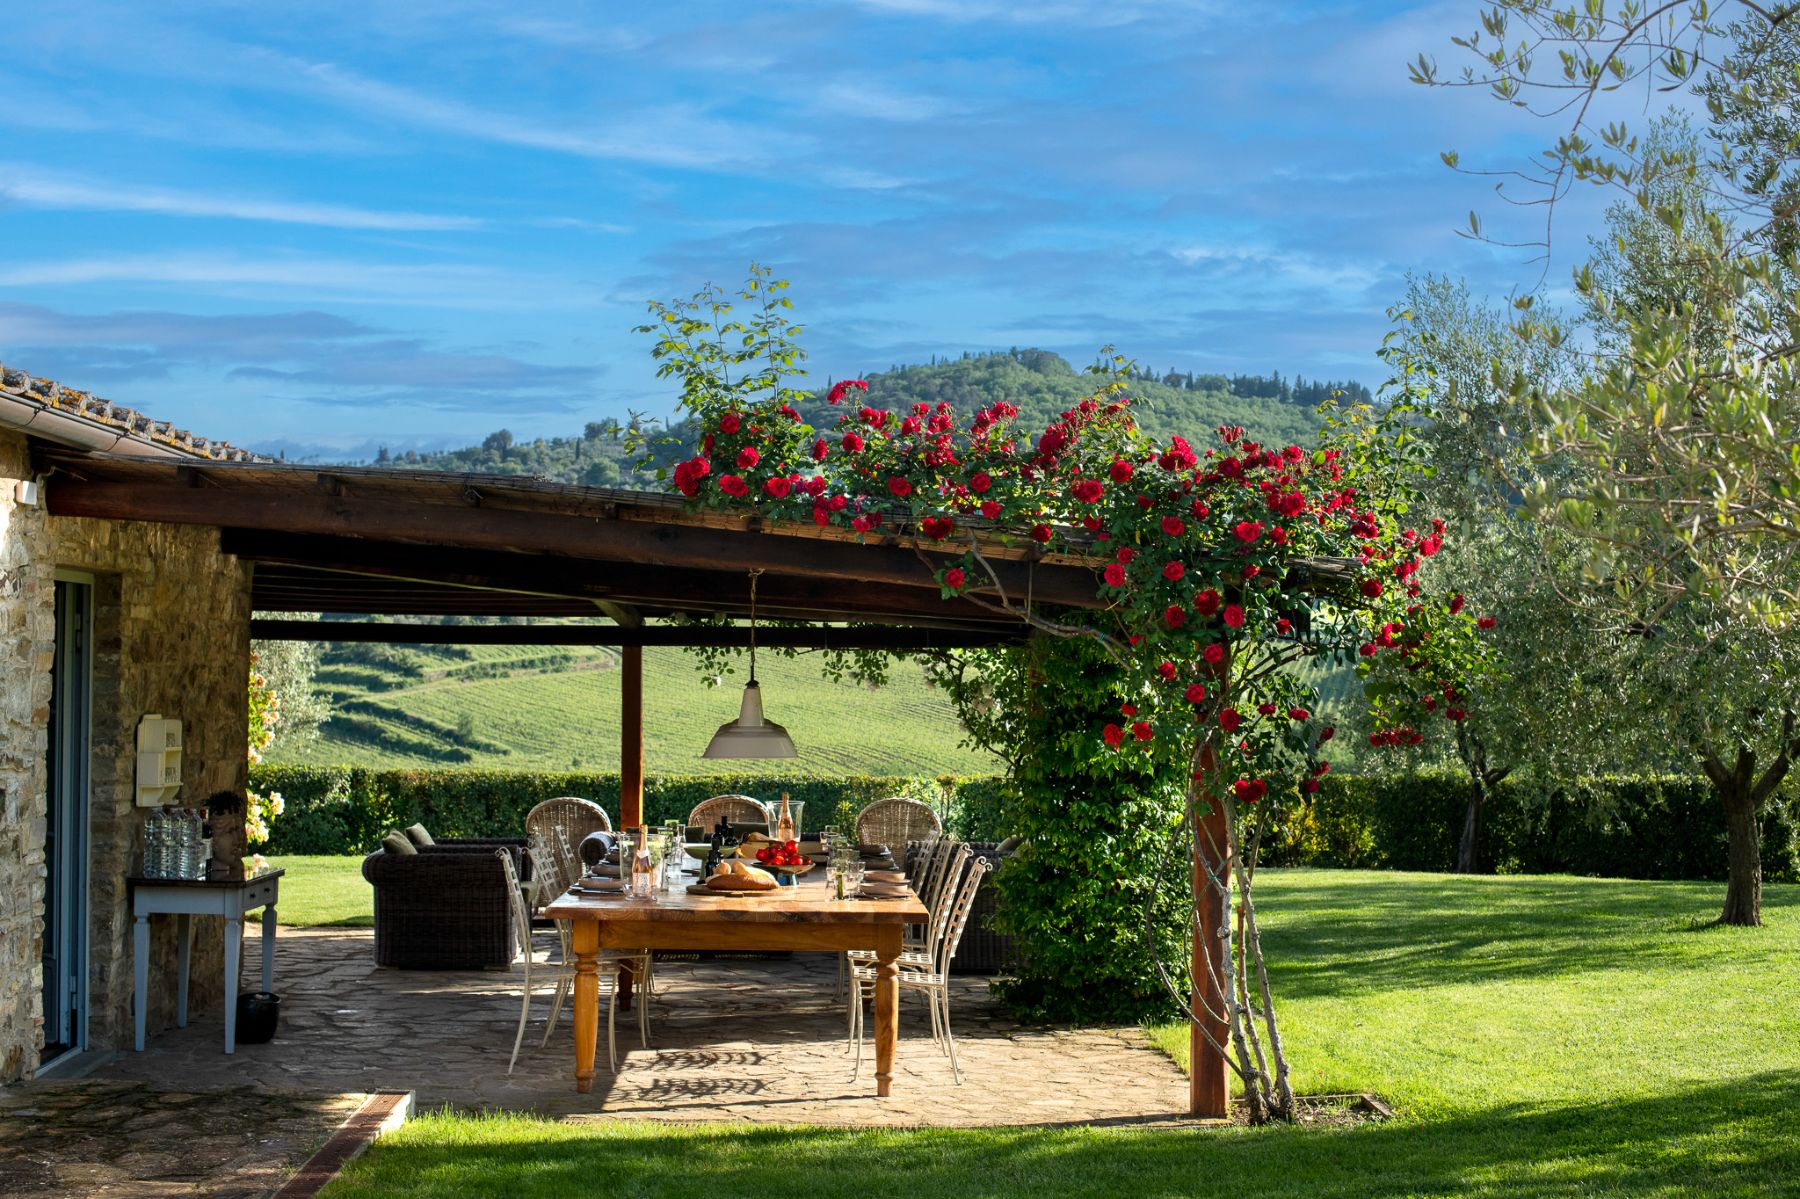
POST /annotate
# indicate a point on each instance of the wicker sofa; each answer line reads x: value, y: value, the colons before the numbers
x: 444, y: 907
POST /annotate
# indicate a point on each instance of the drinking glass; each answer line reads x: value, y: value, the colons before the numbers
x: 853, y: 878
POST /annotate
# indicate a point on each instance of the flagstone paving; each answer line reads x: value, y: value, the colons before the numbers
x: 735, y: 1040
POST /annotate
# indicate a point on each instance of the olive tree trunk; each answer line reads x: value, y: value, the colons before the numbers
x: 1743, y: 792
x: 1482, y: 780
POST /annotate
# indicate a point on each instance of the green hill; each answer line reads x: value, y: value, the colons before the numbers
x: 517, y: 707
x: 1042, y: 384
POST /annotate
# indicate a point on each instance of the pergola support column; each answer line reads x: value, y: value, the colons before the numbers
x: 631, y: 736
x: 1209, y: 1074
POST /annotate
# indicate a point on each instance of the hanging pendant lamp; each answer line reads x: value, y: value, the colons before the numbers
x: 750, y: 736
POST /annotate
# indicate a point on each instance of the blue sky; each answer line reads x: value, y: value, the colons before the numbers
x: 329, y: 226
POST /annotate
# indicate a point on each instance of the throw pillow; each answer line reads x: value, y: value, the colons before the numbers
x: 420, y: 837
x: 396, y: 843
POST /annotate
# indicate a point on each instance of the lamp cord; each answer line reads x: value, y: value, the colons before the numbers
x: 755, y: 571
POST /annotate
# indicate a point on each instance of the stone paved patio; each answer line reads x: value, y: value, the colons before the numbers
x: 746, y: 1040
x: 124, y: 1140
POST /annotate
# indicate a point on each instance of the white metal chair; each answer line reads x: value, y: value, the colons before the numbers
x: 931, y: 976
x: 943, y: 866
x: 571, y: 816
x: 563, y: 972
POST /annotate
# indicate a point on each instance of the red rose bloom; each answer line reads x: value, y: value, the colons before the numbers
x: 1040, y: 533
x: 820, y: 450
x: 900, y: 487
x: 779, y: 487
x: 990, y: 509
x: 1115, y: 575
x: 937, y: 527
x: 1207, y: 602
x: 954, y: 578
x: 1248, y: 530
x: 1327, y: 733
x: 749, y: 456
x: 1166, y: 669
x: 1141, y: 730
x: 733, y: 485
x: 1230, y: 719
x: 1126, y: 554
x: 1372, y: 588
x: 981, y: 482
x: 1456, y: 603
x: 731, y: 422
x: 816, y: 485
x: 689, y: 474
x: 1174, y: 616
x: 1128, y: 709
x: 1120, y: 471
x: 1266, y: 708
x: 1234, y: 616
x: 1299, y: 714
x: 1173, y: 572
x: 852, y: 443
x: 1196, y: 693
x: 1113, y: 735
x: 1214, y: 654
x: 1088, y: 491
x: 838, y: 389
x: 1486, y: 622
x: 1249, y: 790
x: 1172, y: 526
x: 1284, y: 626
x: 1310, y: 786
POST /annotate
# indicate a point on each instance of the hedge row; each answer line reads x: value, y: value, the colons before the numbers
x: 1647, y: 828
x: 1650, y: 828
x: 347, y: 809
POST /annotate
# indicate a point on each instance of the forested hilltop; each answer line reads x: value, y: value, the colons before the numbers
x: 1041, y: 383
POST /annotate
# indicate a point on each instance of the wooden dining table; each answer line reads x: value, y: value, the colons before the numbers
x: 800, y: 918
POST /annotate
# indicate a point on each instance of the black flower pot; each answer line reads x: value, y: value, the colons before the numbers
x: 258, y: 1012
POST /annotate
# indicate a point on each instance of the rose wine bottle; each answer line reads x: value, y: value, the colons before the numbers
x: 643, y: 874
x: 784, y: 826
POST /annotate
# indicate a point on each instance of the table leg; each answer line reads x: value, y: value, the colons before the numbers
x: 887, y: 1005
x: 140, y: 974
x: 184, y: 952
x: 234, y: 943
x: 585, y: 939
x: 269, y: 948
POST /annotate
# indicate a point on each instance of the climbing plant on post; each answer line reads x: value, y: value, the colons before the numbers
x: 1219, y: 568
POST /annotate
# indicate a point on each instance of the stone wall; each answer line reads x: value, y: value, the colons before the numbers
x: 171, y: 636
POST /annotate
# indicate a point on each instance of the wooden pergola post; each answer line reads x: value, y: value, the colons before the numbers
x: 631, y: 736
x: 1209, y: 1075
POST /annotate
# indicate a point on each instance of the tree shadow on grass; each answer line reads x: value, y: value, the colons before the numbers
x: 1725, y: 1140
x: 1327, y: 937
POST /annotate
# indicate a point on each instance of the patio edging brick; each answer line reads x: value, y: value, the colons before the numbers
x: 380, y: 1113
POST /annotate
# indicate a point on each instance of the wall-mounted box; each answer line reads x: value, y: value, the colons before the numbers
x: 158, y: 760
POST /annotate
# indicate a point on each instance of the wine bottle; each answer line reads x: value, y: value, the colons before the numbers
x: 643, y: 874
x: 784, y: 826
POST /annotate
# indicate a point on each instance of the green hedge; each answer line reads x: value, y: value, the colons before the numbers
x: 1649, y: 828
x: 347, y: 809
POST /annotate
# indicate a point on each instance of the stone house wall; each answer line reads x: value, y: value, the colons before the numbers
x: 171, y: 636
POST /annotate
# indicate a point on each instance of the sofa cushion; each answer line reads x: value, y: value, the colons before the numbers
x: 398, y: 844
x: 418, y: 836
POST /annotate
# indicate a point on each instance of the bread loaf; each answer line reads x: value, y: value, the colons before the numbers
x: 737, y: 876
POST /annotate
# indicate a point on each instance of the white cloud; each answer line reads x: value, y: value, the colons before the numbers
x: 38, y: 190
x: 669, y: 135
x: 862, y: 98
x: 312, y: 278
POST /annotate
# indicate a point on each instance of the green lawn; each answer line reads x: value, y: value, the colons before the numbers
x: 1538, y: 1036
x: 324, y: 890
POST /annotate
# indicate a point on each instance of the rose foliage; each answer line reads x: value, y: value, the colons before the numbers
x: 1215, y: 566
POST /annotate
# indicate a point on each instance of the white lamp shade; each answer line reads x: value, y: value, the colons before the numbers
x: 750, y: 736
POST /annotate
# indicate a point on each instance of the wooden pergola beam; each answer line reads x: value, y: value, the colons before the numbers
x: 595, y: 537
x: 894, y: 639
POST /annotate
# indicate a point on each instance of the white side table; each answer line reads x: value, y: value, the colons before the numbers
x: 185, y: 899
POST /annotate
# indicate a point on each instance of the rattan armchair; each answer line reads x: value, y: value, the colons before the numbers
x: 576, y: 817
x: 896, y: 821
x: 737, y: 810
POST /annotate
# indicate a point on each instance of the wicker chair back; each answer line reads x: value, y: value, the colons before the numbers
x: 895, y: 821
